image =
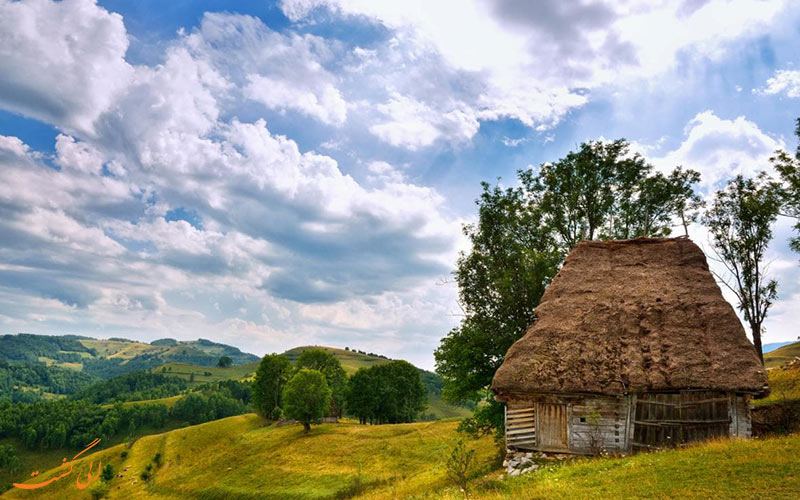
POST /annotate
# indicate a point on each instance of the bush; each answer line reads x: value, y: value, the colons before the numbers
x: 459, y: 466
x: 98, y: 491
x: 108, y: 473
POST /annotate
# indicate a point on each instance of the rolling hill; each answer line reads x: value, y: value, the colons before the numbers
x: 108, y: 357
x: 239, y: 458
x: 351, y: 361
x: 782, y: 355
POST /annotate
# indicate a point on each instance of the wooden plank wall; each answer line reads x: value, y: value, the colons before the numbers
x: 599, y: 423
x: 521, y: 425
x: 671, y: 419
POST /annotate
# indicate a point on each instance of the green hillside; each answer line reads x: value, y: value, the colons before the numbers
x: 204, y: 374
x: 239, y: 458
x: 351, y: 360
x: 782, y: 355
x: 784, y: 385
x: 105, y: 358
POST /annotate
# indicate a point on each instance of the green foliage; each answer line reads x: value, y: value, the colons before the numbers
x: 224, y: 362
x: 487, y: 416
x: 331, y: 368
x: 8, y: 458
x: 603, y: 191
x: 27, y: 348
x: 99, y: 490
x: 198, y: 407
x: 136, y: 386
x: 164, y: 342
x: 789, y: 169
x: 59, y: 424
x: 108, y: 473
x: 459, y: 466
x: 500, y: 282
x: 306, y: 397
x: 740, y: 223
x: 36, y: 379
x: 386, y: 394
x: 271, y: 377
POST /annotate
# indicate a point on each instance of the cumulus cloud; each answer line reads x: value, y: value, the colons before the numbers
x: 786, y: 82
x: 532, y: 61
x: 63, y: 62
x: 720, y: 149
x: 281, y: 71
x: 412, y: 124
x: 90, y: 233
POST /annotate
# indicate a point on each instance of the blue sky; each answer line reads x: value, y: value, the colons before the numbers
x: 276, y: 174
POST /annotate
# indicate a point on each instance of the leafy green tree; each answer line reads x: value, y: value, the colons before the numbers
x: 500, y: 281
x: 388, y: 393
x: 271, y: 377
x: 647, y: 207
x: 325, y: 362
x: 306, y: 397
x: 603, y: 191
x: 740, y: 222
x: 8, y: 458
x: 361, y: 398
x: 224, y: 362
x: 788, y: 167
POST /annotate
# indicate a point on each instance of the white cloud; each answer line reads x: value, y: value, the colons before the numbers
x: 720, y: 149
x: 412, y: 124
x: 78, y: 155
x: 63, y: 62
x: 274, y: 227
x: 532, y: 61
x: 328, y: 105
x: 281, y: 71
x: 785, y: 82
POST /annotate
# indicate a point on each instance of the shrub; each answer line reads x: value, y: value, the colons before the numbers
x: 459, y: 466
x: 98, y: 491
x: 108, y: 473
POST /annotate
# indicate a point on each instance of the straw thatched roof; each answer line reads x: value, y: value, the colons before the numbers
x: 631, y: 316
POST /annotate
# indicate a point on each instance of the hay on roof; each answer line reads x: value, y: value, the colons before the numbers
x: 630, y: 316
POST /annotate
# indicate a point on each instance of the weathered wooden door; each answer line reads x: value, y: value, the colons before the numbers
x: 551, y: 427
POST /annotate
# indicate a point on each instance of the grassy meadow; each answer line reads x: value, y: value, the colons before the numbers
x: 351, y: 361
x: 241, y: 458
x: 784, y: 386
x: 205, y: 374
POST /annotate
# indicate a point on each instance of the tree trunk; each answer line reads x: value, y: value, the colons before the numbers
x: 307, y: 426
x: 756, y: 330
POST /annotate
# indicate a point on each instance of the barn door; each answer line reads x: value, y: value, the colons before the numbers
x: 551, y: 427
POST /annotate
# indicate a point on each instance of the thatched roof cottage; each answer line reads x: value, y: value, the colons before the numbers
x: 633, y: 347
